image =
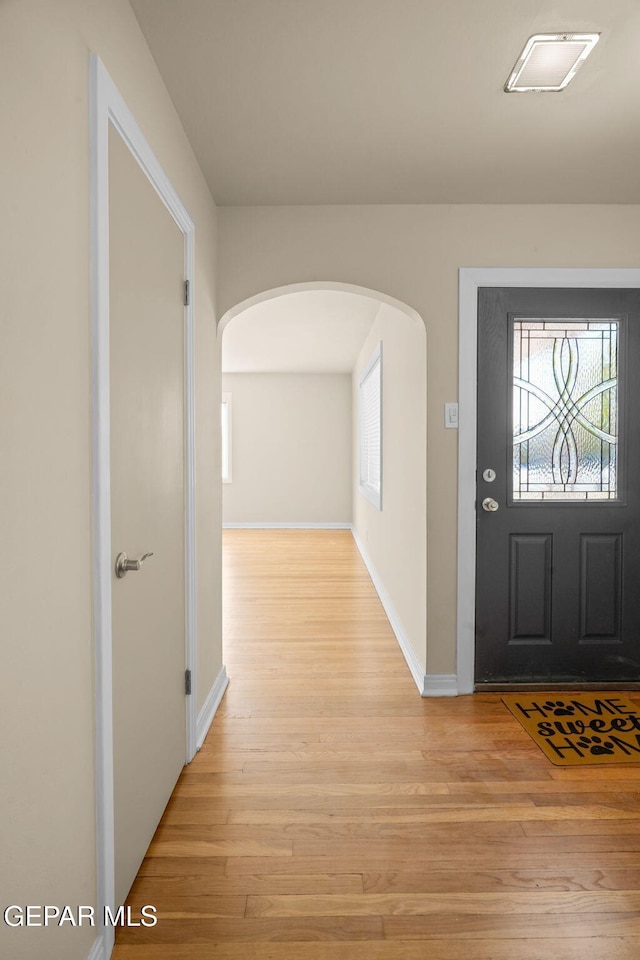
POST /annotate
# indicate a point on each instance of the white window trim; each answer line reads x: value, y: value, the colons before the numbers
x: 226, y: 399
x: 369, y: 492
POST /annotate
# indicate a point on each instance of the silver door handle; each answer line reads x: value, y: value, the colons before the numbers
x: 125, y: 566
x: 490, y: 505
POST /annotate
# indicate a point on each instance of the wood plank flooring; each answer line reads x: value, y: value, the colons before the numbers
x: 332, y: 814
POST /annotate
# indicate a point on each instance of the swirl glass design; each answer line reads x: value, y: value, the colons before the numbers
x: 565, y: 409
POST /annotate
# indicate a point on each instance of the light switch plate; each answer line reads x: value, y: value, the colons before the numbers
x: 451, y: 416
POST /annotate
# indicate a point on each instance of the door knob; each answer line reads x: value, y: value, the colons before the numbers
x: 125, y: 566
x: 490, y: 505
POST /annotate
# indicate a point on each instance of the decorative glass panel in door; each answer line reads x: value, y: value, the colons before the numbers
x: 565, y: 409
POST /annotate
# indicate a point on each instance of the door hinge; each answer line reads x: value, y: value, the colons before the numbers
x: 187, y: 682
x: 187, y: 293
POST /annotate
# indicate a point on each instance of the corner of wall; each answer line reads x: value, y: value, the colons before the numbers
x: 403, y: 640
x: 209, y: 707
x: 440, y: 685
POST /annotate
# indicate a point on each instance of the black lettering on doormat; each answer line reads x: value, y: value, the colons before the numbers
x: 581, y: 728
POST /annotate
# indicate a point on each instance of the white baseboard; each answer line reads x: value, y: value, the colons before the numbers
x: 209, y: 707
x: 97, y: 950
x: 268, y: 525
x: 440, y: 685
x: 403, y: 641
x: 430, y: 684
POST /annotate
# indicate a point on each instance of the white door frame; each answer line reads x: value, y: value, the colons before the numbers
x: 108, y: 107
x: 470, y: 280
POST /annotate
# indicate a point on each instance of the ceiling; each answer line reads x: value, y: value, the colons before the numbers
x: 314, y: 331
x: 398, y: 101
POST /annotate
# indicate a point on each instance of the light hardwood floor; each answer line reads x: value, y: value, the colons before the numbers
x: 332, y: 814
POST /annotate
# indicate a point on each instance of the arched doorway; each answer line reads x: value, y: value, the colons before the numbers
x: 294, y: 330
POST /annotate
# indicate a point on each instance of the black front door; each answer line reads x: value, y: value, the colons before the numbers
x: 558, y: 477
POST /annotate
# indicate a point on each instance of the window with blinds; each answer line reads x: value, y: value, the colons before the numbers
x: 370, y: 429
x: 225, y: 432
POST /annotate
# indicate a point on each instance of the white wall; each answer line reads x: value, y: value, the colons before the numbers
x: 47, y: 807
x: 394, y: 538
x: 413, y: 253
x: 291, y: 448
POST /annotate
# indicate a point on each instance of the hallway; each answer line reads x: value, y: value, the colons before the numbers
x: 333, y: 814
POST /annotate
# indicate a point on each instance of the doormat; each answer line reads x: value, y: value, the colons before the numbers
x: 580, y: 729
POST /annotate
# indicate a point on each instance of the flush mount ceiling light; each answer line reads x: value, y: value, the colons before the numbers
x: 550, y: 61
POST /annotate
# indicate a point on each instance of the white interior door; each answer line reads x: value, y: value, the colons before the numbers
x: 146, y: 250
